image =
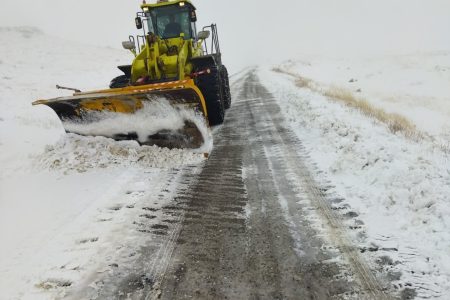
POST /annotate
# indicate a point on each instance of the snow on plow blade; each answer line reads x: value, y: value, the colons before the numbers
x: 84, y: 113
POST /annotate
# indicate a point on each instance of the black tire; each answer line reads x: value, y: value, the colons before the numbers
x: 211, y: 87
x: 225, y: 87
x: 120, y: 82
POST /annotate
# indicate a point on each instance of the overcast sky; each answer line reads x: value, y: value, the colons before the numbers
x: 255, y: 31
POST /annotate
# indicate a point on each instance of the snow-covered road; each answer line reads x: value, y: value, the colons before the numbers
x: 251, y: 222
x: 268, y: 230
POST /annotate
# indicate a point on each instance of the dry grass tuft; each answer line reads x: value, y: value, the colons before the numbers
x: 300, y: 81
x: 445, y: 147
x: 395, y: 122
x: 278, y: 70
x: 303, y: 82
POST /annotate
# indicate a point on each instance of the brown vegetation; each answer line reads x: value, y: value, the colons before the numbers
x: 395, y: 122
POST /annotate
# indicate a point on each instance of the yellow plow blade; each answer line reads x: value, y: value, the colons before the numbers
x: 129, y: 100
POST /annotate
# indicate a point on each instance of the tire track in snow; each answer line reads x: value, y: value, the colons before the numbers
x: 245, y: 235
x: 289, y: 146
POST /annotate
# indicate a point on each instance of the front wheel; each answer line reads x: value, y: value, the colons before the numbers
x: 120, y: 82
x: 225, y: 87
x: 211, y: 87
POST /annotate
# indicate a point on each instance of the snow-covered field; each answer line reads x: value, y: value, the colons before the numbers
x: 415, y: 86
x: 395, y: 191
x: 66, y: 201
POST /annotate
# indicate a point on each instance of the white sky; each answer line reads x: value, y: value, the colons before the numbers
x: 255, y: 31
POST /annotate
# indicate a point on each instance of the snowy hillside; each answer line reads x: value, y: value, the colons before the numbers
x: 30, y: 70
x: 64, y: 199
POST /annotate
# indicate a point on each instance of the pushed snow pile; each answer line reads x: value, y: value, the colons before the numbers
x: 79, y: 154
x: 95, y: 150
x: 156, y: 116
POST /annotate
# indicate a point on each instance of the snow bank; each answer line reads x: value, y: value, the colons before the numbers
x: 396, y: 189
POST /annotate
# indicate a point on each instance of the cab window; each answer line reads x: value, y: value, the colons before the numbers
x: 169, y: 22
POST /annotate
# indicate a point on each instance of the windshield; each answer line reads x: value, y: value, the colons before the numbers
x: 169, y: 22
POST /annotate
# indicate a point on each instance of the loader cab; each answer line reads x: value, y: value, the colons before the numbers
x: 170, y: 20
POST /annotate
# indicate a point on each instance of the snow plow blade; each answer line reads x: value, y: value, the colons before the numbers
x: 87, y: 108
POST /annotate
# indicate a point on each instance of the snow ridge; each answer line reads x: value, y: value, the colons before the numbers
x: 76, y: 153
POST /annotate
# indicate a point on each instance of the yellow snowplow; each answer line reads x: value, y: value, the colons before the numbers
x: 173, y: 62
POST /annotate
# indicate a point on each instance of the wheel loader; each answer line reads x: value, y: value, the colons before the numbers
x: 172, y: 61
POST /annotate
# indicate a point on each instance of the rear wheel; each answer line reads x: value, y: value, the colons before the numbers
x: 225, y: 87
x: 211, y: 87
x: 120, y: 82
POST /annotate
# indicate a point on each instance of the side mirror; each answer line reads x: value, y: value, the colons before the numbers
x: 203, y: 35
x: 138, y: 21
x: 128, y: 45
